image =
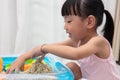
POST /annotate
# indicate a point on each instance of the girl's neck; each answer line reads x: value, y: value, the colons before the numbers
x: 87, y: 38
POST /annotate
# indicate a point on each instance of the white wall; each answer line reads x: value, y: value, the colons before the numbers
x: 41, y: 23
x: 25, y: 24
x: 8, y: 25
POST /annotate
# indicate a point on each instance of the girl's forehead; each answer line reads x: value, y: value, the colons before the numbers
x: 67, y: 16
x: 71, y: 17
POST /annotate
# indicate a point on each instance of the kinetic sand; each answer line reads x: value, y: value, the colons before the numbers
x: 38, y: 67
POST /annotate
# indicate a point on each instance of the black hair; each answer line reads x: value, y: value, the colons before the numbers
x: 84, y: 8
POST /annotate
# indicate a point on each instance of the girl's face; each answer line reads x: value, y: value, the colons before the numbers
x: 75, y: 26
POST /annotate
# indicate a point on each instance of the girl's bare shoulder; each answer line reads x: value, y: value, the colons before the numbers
x: 102, y: 46
x: 99, y: 41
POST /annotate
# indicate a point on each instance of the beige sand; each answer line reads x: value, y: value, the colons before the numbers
x: 38, y: 67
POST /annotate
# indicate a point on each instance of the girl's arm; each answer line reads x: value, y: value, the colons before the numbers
x: 19, y: 62
x: 37, y: 50
x: 68, y: 42
x: 93, y: 46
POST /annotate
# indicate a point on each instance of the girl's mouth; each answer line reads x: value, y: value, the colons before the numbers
x: 69, y: 34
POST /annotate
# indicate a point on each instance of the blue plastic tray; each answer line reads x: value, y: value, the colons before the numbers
x: 60, y: 71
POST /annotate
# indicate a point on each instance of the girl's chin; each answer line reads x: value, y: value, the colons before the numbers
x: 74, y: 39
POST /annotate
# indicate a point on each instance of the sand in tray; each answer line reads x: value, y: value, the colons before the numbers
x: 38, y: 68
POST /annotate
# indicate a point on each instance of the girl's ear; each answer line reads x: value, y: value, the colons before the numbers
x: 91, y: 21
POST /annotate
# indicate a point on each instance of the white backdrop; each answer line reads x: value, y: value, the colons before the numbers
x: 25, y: 24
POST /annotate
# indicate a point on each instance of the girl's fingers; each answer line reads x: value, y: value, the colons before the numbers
x: 22, y: 68
x: 9, y: 70
x: 16, y: 71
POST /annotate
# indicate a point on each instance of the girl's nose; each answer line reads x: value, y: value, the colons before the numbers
x: 65, y: 27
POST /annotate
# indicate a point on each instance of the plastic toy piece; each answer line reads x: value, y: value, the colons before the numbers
x: 1, y: 68
x: 29, y: 61
x: 28, y: 64
x: 7, y: 61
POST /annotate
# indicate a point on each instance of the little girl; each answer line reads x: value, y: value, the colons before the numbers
x: 92, y: 51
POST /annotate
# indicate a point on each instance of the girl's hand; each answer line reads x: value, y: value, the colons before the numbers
x: 17, y: 65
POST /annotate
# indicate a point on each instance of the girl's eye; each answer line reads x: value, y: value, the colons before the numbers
x: 69, y: 21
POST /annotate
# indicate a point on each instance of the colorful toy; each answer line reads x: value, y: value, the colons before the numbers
x: 1, y: 67
x: 28, y: 63
x: 59, y: 70
x: 8, y: 61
